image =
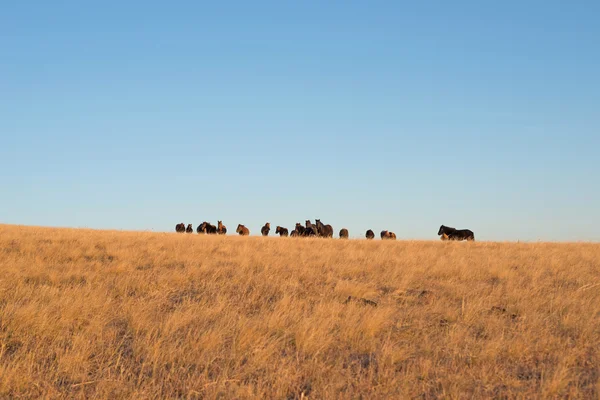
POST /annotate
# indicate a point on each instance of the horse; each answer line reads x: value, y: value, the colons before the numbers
x: 343, y: 233
x: 242, y: 230
x: 180, y: 228
x: 221, y: 229
x: 189, y: 229
x: 323, y: 230
x: 299, y: 229
x: 449, y: 233
x: 211, y: 229
x: 283, y: 232
x: 310, y: 229
x: 388, y: 235
x: 370, y: 235
x: 265, y: 229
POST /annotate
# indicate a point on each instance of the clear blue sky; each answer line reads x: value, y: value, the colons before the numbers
x: 391, y: 115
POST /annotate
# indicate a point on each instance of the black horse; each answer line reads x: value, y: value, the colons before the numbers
x: 211, y: 229
x: 180, y: 228
x: 206, y: 227
x: 189, y: 229
x: 448, y: 233
x: 370, y: 234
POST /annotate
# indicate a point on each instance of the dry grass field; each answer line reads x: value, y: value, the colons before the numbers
x: 107, y: 314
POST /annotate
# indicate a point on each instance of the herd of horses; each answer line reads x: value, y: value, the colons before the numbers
x: 318, y: 229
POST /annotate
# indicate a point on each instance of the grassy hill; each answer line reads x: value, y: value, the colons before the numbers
x: 110, y: 314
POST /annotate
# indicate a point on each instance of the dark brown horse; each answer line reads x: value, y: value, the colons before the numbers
x: 242, y: 230
x: 189, y: 229
x: 370, y: 234
x: 211, y: 229
x: 343, y: 233
x: 310, y: 230
x: 323, y: 230
x: 221, y: 229
x: 283, y: 232
x: 206, y: 227
x: 299, y: 229
x: 180, y: 228
x: 294, y: 233
x: 265, y: 229
x: 448, y: 233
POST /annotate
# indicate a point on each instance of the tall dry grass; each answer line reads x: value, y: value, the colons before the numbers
x: 142, y: 315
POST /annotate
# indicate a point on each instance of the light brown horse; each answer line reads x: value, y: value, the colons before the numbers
x: 388, y: 235
x: 242, y: 230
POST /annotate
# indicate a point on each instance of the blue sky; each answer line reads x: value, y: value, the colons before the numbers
x: 384, y: 115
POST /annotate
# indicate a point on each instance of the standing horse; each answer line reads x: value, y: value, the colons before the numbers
x: 180, y: 228
x: 211, y: 229
x: 310, y: 230
x: 265, y: 229
x: 324, y: 230
x: 449, y: 233
x: 343, y: 233
x: 221, y: 229
x: 299, y: 229
x: 283, y: 232
x: 370, y: 234
x: 206, y: 227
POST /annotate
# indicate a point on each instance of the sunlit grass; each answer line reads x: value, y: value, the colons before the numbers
x: 111, y: 314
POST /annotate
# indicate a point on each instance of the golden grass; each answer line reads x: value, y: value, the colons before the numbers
x: 109, y: 314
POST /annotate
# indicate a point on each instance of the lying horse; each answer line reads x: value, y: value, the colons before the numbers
x: 448, y: 233
x: 242, y: 230
x: 180, y: 227
x: 387, y: 235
